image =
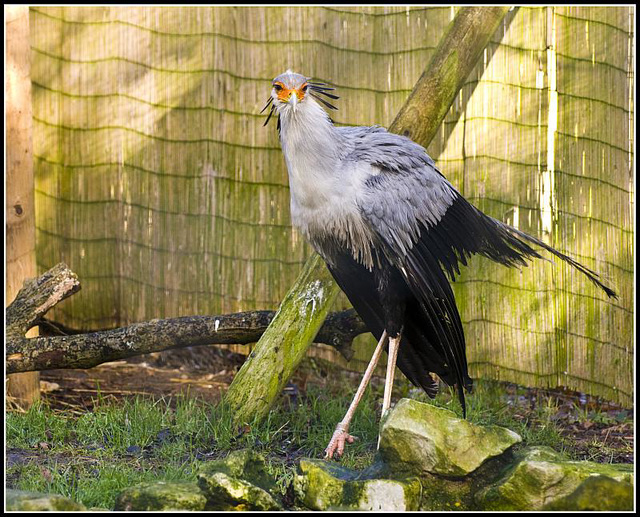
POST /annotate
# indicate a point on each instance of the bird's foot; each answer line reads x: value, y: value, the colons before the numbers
x: 338, y: 440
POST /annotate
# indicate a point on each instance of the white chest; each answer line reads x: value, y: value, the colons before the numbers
x: 324, y: 206
x: 324, y: 186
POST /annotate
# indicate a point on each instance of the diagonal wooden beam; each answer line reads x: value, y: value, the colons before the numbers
x: 302, y: 312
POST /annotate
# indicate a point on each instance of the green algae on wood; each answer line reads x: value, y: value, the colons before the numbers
x: 454, y: 58
x: 284, y: 344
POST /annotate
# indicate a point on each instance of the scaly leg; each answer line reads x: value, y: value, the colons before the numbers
x: 392, y: 356
x: 394, y: 344
x: 341, y: 434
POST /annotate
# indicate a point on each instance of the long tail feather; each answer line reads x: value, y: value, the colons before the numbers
x: 513, y: 234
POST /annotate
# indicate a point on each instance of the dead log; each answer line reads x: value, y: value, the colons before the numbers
x: 90, y: 349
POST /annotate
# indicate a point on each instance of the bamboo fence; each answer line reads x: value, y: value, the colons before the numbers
x: 158, y: 185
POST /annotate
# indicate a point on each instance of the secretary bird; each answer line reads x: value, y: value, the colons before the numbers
x: 391, y: 228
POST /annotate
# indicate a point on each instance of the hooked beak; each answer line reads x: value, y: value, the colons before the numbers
x: 293, y: 100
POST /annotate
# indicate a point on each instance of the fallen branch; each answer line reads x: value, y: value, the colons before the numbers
x: 87, y: 350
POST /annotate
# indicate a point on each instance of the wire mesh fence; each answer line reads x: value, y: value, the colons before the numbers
x: 158, y: 185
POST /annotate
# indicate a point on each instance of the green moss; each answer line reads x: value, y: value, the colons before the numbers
x: 245, y: 464
x: 321, y: 485
x: 161, y: 495
x: 23, y: 501
x: 283, y: 345
x: 225, y: 492
x: 240, y: 481
x: 540, y: 476
x: 597, y: 493
x: 440, y: 494
x: 422, y: 438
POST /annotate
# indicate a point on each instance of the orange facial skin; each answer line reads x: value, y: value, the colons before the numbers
x: 284, y: 94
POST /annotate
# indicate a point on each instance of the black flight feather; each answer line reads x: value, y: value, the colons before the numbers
x: 416, y: 355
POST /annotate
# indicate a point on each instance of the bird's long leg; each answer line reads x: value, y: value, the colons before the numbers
x: 341, y: 434
x: 392, y: 356
x: 394, y: 344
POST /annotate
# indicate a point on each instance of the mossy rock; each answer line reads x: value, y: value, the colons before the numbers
x: 239, y: 482
x: 227, y: 493
x: 321, y: 485
x: 541, y: 478
x: 597, y: 493
x: 24, y: 501
x: 243, y: 464
x: 441, y: 494
x: 161, y: 496
x: 423, y: 439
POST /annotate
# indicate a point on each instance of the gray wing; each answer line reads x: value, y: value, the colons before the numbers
x: 426, y: 228
x: 405, y: 190
x: 404, y: 201
x: 411, y: 205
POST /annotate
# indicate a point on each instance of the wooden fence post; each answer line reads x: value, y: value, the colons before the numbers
x: 267, y: 370
x: 23, y: 388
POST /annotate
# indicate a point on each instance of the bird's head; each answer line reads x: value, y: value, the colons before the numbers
x: 291, y: 91
x: 289, y: 88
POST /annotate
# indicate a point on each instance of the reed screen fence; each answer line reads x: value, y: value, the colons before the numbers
x: 158, y: 185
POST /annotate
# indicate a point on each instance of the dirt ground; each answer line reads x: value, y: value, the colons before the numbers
x: 599, y: 431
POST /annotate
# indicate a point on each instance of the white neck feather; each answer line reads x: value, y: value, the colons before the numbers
x: 323, y: 184
x: 311, y: 148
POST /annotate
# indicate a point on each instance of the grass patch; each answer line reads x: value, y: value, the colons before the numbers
x: 91, y: 456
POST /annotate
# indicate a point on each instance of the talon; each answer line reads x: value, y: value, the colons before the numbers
x: 337, y: 443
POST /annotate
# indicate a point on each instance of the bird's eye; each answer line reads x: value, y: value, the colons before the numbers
x: 304, y: 88
x: 277, y: 87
